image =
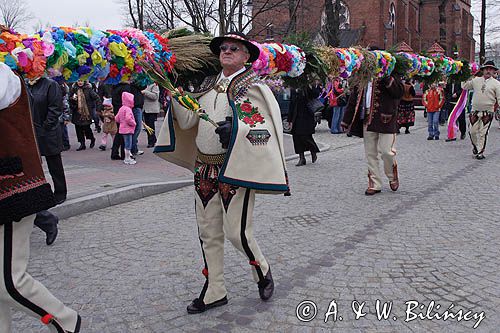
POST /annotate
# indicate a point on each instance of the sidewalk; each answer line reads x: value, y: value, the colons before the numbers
x: 95, y: 181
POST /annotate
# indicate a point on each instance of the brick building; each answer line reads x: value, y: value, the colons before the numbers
x: 376, y: 22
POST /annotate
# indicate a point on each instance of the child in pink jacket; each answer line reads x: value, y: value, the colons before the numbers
x: 125, y: 118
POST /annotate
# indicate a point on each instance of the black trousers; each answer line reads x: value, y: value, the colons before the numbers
x: 303, y: 143
x: 46, y: 221
x: 118, y: 148
x: 149, y: 120
x: 56, y: 171
x: 82, y: 132
x: 462, y: 124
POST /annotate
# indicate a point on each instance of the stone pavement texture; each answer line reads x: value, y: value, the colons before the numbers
x: 134, y: 267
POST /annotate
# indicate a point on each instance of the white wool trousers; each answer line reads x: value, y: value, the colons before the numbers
x: 20, y: 291
x: 480, y: 123
x: 224, y: 211
x: 380, y: 146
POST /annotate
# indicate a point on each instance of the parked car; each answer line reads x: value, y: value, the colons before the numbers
x: 283, y: 99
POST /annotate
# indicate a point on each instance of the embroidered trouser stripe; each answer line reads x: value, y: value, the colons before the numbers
x: 19, y: 289
x: 205, y: 286
x: 224, y: 211
x: 479, y: 131
x: 244, y: 241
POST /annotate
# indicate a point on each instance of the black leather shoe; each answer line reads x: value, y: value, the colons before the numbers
x: 266, y: 287
x: 480, y: 157
x: 314, y: 156
x: 462, y: 136
x: 301, y: 162
x: 198, y: 306
x: 116, y: 157
x: 60, y: 200
x: 82, y: 147
x: 51, y: 236
x: 92, y: 143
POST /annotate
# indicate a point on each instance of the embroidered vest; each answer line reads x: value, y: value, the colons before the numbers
x: 23, y: 187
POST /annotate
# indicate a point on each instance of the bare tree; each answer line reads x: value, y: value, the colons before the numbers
x: 14, y: 13
x: 332, y: 26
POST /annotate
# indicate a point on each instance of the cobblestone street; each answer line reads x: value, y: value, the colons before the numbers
x: 135, y: 267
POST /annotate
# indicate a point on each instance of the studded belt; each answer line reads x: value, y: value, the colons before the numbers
x: 211, y: 159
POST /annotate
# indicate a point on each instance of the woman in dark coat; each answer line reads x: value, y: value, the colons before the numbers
x: 84, y: 102
x: 46, y: 108
x: 303, y: 124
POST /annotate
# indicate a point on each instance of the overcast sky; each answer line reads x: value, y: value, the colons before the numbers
x: 100, y: 14
x: 107, y: 14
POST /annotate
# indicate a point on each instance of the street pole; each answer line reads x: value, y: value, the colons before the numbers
x: 482, y: 33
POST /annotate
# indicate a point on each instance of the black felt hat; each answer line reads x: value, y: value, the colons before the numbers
x: 490, y: 64
x: 237, y: 36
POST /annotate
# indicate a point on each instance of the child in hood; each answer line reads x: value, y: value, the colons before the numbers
x: 109, y: 124
x: 125, y: 117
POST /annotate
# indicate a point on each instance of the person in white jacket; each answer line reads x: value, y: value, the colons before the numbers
x: 486, y: 94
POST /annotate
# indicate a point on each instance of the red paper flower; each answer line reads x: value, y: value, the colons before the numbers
x: 257, y: 118
x: 246, y: 107
x: 113, y: 71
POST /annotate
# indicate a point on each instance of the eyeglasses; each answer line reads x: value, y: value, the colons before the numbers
x: 231, y: 48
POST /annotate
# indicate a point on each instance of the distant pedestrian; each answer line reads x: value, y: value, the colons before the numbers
x: 486, y: 95
x: 125, y: 118
x: 46, y: 108
x: 337, y: 101
x: 108, y: 123
x: 83, y: 102
x: 433, y: 100
x: 151, y: 110
x: 65, y: 118
x: 406, y: 109
x: 303, y: 124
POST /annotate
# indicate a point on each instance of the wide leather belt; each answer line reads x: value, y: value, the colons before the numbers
x: 211, y: 159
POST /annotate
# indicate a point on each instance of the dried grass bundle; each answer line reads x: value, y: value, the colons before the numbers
x: 193, y: 54
x: 329, y: 58
x: 365, y: 72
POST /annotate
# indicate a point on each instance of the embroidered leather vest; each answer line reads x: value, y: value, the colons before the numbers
x: 23, y: 187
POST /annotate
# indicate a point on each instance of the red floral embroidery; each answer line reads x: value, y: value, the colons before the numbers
x: 248, y: 120
x: 257, y: 118
x: 246, y: 107
x: 249, y: 114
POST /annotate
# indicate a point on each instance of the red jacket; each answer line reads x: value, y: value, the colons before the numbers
x: 433, y: 99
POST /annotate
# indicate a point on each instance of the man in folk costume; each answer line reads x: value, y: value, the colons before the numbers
x: 371, y: 114
x: 244, y: 155
x: 23, y: 192
x: 486, y: 94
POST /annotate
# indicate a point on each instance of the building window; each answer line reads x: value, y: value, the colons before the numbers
x: 344, y: 16
x: 392, y: 15
x: 269, y: 31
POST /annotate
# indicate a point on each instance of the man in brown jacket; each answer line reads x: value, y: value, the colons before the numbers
x: 371, y: 114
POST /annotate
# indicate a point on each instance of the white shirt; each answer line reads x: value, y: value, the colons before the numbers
x: 217, y: 107
x: 10, y: 86
x: 486, y: 93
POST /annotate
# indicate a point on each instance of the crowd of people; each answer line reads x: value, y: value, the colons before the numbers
x: 438, y: 100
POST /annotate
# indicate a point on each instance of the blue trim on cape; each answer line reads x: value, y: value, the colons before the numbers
x: 168, y: 148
